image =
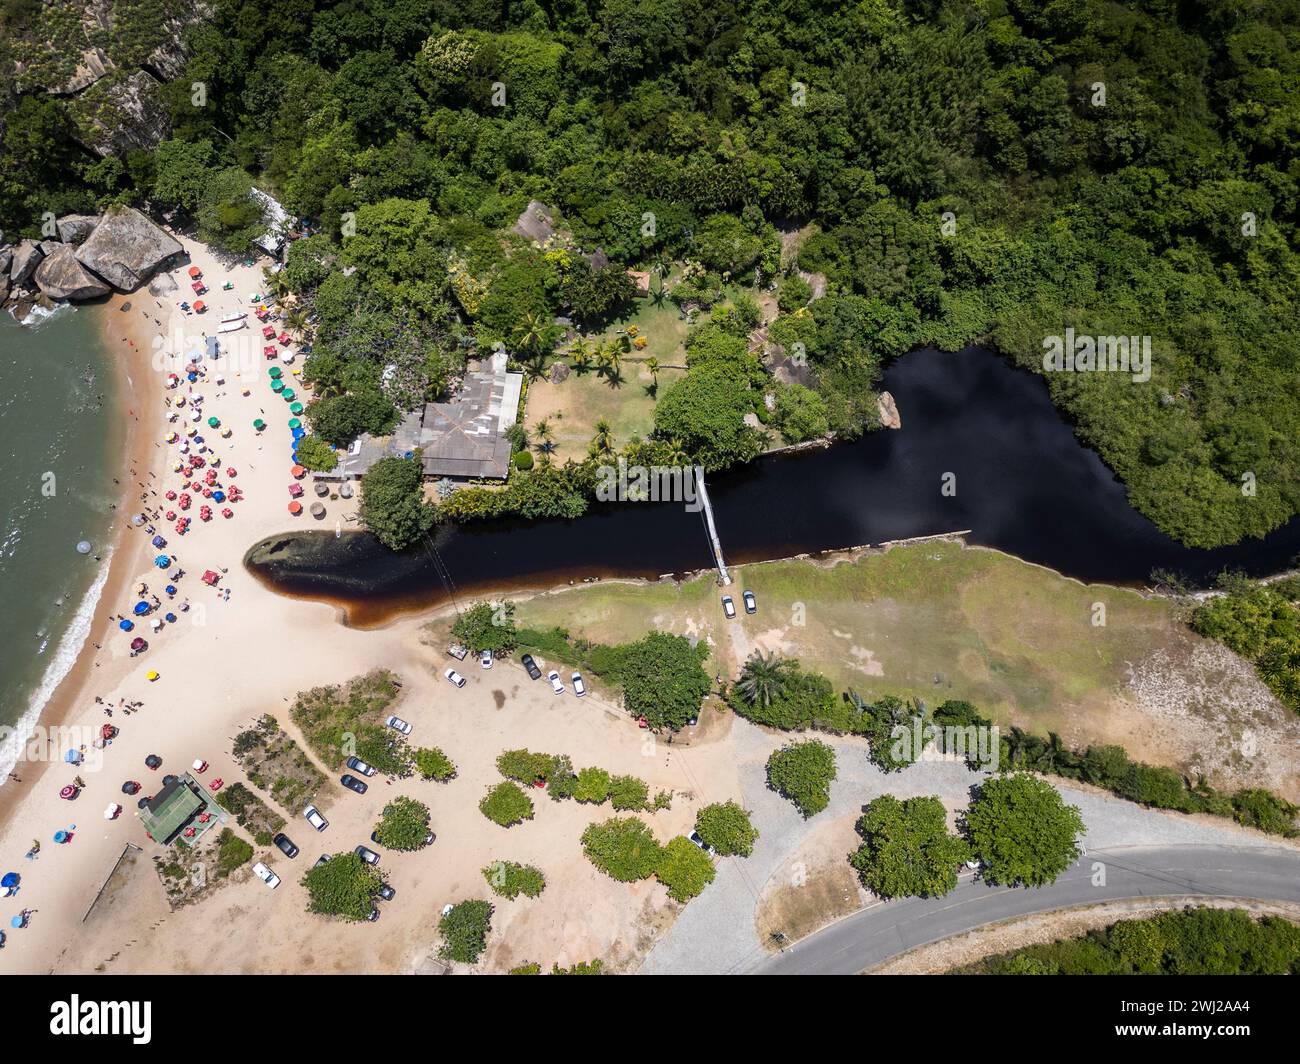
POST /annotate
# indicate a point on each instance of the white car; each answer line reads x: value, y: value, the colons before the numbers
x: 485, y: 659
x: 266, y: 875
x: 556, y: 685
x: 728, y: 607
x: 455, y: 678
x: 397, y: 724
x: 315, y: 819
x: 579, y: 688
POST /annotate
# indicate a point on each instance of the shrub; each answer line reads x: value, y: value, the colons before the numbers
x: 404, y: 824
x: 592, y: 786
x: 523, y: 460
x: 725, y: 826
x: 663, y: 679
x: 509, y: 879
x: 628, y: 792
x: 232, y: 851
x: 433, y: 764
x: 623, y: 848
x: 507, y: 804
x: 524, y: 766
x: 465, y: 930
x: 487, y: 626
x: 803, y: 773
x: 1023, y: 830
x: 907, y: 850
x: 343, y: 886
x: 684, y: 869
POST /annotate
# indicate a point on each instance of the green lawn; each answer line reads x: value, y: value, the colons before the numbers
x: 932, y: 620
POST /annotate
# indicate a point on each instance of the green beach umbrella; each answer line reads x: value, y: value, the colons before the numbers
x: 277, y: 385
x: 295, y: 408
x: 295, y: 423
x: 287, y: 395
x: 259, y: 424
x: 213, y: 422
x: 276, y: 371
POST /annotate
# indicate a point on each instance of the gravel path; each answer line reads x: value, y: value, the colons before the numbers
x: 715, y: 933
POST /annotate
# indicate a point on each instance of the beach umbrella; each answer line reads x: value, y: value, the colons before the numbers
x: 171, y: 618
x: 259, y: 424
x: 299, y: 433
x: 297, y: 471
x: 68, y: 793
x: 214, y: 423
x: 9, y: 881
x: 170, y: 589
x: 138, y: 644
x: 17, y: 921
x: 199, y: 306
x: 143, y: 802
x: 287, y: 395
x: 125, y: 625
x: 168, y: 779
x: 295, y: 408
x: 162, y: 561
x: 72, y: 757
x: 276, y: 371
x: 195, y: 272
x: 153, y: 761
x: 151, y: 676
x: 158, y: 541
x: 295, y: 508
x: 277, y: 385
x: 322, y: 489
x: 317, y: 510
x: 131, y: 787
x: 59, y: 837
x: 295, y: 423
x: 83, y: 547
x: 210, y: 578
x: 141, y: 608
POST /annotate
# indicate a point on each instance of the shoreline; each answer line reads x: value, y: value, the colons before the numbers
x: 138, y: 389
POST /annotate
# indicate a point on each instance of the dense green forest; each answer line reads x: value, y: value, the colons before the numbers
x: 1189, y: 942
x: 996, y: 170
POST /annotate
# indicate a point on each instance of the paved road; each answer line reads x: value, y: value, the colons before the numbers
x: 875, y: 934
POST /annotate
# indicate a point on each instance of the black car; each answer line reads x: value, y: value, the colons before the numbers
x: 321, y: 860
x: 387, y: 893
x: 285, y: 845
x: 529, y: 664
x: 374, y: 915
x: 352, y: 783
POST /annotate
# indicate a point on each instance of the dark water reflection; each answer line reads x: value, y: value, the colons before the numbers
x: 1023, y: 484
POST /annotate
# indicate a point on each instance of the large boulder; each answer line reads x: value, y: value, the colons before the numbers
x: 61, y: 276
x: 6, y: 259
x: 74, y: 228
x: 126, y: 248
x: 889, y: 416
x: 27, y: 256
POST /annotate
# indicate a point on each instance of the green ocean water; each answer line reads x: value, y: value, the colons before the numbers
x: 61, y: 439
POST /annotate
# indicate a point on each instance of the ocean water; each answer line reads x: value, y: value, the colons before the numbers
x: 61, y: 440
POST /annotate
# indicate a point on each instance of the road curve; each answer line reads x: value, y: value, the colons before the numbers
x: 873, y: 935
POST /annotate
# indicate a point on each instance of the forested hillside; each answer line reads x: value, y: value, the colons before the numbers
x: 961, y: 170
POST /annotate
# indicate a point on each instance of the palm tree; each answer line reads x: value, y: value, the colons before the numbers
x: 763, y: 677
x: 653, y: 366
x: 295, y: 320
x: 1018, y: 743
x: 602, y: 444
x: 545, y: 437
x: 581, y: 353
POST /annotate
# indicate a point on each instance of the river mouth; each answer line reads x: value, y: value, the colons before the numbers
x: 1016, y: 478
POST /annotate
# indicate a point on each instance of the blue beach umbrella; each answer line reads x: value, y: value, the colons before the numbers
x: 218, y: 496
x: 162, y: 561
x: 141, y: 608
x: 158, y: 541
x: 16, y: 921
x: 10, y: 880
x: 72, y: 757
x: 299, y: 434
x: 125, y: 625
x: 170, y: 589
x: 171, y: 618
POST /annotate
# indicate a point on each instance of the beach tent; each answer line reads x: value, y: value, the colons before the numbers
x: 210, y: 578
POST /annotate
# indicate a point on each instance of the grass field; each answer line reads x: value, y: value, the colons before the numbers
x: 939, y: 621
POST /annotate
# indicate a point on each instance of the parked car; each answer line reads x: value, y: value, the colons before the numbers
x: 315, y: 819
x: 528, y: 663
x: 387, y: 893
x: 352, y: 783
x: 556, y: 685
x: 455, y: 678
x: 457, y: 651
x: 321, y: 860
x: 397, y: 724
x: 579, y: 688
x: 266, y: 875
x: 728, y: 607
x: 285, y: 845
x: 694, y: 836
x: 357, y: 765
x: 374, y: 914
x: 485, y: 659
x: 751, y: 603
x: 367, y: 854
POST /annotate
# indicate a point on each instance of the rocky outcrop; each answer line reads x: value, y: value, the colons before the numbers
x: 27, y: 256
x: 74, y: 228
x: 6, y: 260
x: 126, y: 248
x: 61, y: 276
x: 121, y: 115
x: 889, y: 416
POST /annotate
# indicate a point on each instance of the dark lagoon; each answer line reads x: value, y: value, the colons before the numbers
x: 1023, y: 484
